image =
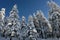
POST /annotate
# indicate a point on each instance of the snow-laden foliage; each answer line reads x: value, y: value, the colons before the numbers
x: 37, y: 26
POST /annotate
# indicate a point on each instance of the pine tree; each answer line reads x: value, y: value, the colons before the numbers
x: 54, y: 18
x: 24, y: 28
x: 44, y: 24
x: 2, y: 16
x: 13, y: 23
x: 2, y: 21
x: 33, y: 35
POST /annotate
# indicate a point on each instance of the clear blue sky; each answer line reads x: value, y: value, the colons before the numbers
x: 26, y: 7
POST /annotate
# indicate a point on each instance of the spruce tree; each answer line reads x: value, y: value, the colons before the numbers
x: 54, y: 18
x: 13, y: 26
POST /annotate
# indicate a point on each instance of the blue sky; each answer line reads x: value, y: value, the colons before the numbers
x: 26, y: 7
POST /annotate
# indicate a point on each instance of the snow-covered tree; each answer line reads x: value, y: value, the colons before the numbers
x: 13, y: 23
x: 54, y: 18
x: 2, y: 16
x: 2, y: 20
x: 36, y: 22
x: 43, y: 23
x: 24, y: 28
x: 32, y: 33
x: 37, y: 26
